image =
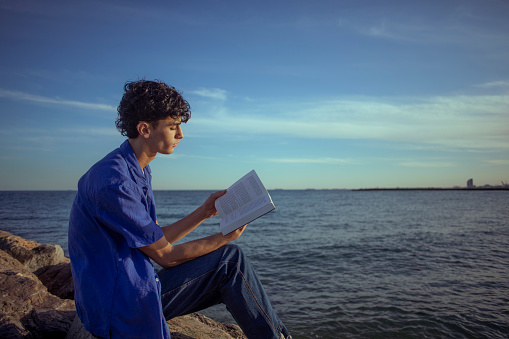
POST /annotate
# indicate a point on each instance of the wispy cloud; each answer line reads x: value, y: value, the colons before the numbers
x: 409, y: 32
x: 186, y: 156
x: 64, y: 76
x: 213, y: 93
x: 454, y: 28
x: 457, y: 122
x: 21, y: 96
x: 381, y: 30
x: 90, y: 130
x: 325, y: 160
x: 494, y: 84
x: 498, y: 162
x: 48, y: 139
x: 426, y: 164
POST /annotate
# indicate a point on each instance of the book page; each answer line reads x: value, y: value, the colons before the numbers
x: 240, y: 194
x: 246, y: 200
x: 229, y: 218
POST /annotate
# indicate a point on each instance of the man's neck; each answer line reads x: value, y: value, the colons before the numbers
x: 141, y: 153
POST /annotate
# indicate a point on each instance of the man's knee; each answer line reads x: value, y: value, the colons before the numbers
x: 233, y: 252
x: 233, y: 248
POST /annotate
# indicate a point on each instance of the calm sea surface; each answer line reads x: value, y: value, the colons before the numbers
x: 343, y: 264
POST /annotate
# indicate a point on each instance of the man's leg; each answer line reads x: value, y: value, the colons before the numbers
x: 223, y: 276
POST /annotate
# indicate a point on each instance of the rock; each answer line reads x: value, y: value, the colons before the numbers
x: 46, y: 261
x: 77, y: 331
x: 192, y: 326
x: 27, y: 309
x: 30, y: 253
x: 35, y: 278
x: 197, y: 326
x: 58, y: 279
x: 12, y: 328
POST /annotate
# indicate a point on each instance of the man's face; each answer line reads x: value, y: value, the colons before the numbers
x: 165, y: 136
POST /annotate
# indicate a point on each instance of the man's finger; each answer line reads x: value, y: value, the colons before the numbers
x: 218, y: 194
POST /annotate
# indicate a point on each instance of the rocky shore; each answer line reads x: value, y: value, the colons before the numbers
x: 36, y: 297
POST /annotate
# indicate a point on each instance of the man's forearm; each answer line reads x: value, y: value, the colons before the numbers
x: 194, y: 249
x: 183, y: 227
x: 168, y: 255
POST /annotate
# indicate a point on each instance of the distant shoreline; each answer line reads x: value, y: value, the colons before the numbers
x: 492, y: 188
x: 435, y: 189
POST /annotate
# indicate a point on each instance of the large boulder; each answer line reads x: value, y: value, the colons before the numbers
x: 57, y: 279
x: 45, y: 261
x: 197, y: 326
x: 35, y: 278
x: 27, y: 309
x: 77, y: 331
x: 191, y: 326
x: 30, y: 253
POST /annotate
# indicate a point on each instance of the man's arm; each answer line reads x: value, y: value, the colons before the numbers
x: 183, y: 227
x: 168, y: 255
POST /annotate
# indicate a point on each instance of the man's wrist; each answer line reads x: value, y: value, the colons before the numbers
x: 201, y: 214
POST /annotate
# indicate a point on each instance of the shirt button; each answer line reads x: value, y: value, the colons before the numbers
x: 157, y: 279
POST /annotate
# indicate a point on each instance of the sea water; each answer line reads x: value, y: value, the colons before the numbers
x: 349, y: 264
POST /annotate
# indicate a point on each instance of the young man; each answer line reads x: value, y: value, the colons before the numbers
x: 113, y: 234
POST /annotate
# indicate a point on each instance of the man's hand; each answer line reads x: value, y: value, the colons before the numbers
x: 235, y: 234
x: 168, y: 255
x: 184, y: 226
x: 208, y: 209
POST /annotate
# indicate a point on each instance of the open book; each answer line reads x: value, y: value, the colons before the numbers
x: 245, y: 201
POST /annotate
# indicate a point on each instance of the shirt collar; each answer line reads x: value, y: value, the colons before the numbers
x: 134, y: 166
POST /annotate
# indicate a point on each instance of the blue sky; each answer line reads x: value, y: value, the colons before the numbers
x: 311, y: 94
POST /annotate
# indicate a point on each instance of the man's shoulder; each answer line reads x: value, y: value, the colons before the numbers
x: 110, y: 170
x: 113, y: 160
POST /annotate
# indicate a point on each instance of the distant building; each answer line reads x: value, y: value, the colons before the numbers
x: 470, y: 183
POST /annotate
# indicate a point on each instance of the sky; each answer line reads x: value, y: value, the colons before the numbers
x: 310, y: 94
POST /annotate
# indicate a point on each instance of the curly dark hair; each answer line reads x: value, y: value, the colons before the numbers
x: 149, y: 101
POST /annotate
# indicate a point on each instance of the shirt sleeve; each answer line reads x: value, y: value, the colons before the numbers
x: 122, y: 209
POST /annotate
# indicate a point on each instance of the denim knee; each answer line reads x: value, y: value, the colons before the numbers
x: 234, y: 253
x: 233, y: 248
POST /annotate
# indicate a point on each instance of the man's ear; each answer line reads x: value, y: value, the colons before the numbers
x: 143, y: 129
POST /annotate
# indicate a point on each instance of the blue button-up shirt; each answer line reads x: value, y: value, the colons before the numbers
x: 117, y: 291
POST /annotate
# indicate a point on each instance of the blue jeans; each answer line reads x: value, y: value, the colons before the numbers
x: 223, y: 276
